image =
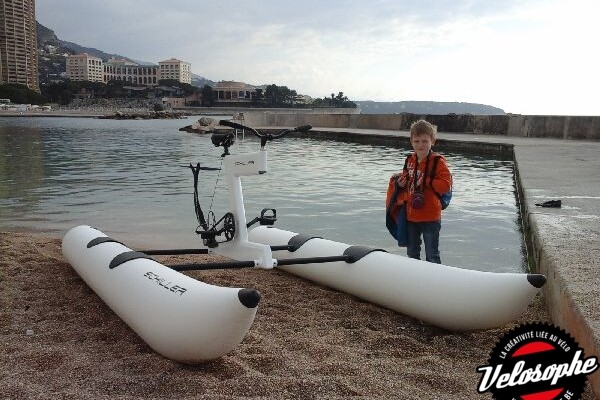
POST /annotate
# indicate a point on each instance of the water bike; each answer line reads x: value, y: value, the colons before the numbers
x: 205, y: 321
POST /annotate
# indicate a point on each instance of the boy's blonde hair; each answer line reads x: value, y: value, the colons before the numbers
x: 422, y: 127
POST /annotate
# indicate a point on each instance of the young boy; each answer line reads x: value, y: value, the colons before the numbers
x: 420, y: 192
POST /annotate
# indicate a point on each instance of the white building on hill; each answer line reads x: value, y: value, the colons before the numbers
x: 83, y: 67
x: 176, y: 69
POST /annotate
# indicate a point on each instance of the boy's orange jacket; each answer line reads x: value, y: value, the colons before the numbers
x: 432, y: 208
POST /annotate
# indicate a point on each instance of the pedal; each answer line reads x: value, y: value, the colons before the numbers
x: 208, y: 238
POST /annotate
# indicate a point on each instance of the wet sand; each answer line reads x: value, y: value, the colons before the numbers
x: 59, y: 340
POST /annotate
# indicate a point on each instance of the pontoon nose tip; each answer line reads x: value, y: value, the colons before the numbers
x: 249, y: 297
x: 536, y: 280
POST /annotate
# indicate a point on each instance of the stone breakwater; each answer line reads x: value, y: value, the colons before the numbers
x: 533, y: 126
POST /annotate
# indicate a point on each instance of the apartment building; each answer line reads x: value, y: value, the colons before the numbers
x: 18, y: 43
x: 128, y: 71
x: 83, y: 67
x: 176, y: 69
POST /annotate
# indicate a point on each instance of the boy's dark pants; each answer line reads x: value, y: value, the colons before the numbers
x: 431, y: 237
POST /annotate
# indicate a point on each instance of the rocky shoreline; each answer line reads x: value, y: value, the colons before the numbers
x: 203, y: 125
x: 146, y: 115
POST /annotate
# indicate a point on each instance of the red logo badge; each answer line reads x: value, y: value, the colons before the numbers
x: 536, y: 362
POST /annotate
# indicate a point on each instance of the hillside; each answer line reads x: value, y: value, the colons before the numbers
x: 52, y: 51
x: 47, y: 36
x: 427, y: 107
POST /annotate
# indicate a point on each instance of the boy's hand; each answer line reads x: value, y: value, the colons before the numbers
x: 402, y: 180
x: 420, y: 181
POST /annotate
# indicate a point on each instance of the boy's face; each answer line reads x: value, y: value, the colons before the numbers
x: 421, y: 143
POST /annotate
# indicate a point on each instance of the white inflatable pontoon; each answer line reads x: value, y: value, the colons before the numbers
x: 179, y: 317
x: 448, y: 297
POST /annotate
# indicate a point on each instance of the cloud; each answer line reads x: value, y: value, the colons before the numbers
x: 514, y: 54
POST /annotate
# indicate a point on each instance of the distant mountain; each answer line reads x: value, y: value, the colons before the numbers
x: 51, y: 65
x: 44, y: 34
x: 200, y: 81
x: 427, y: 107
x: 47, y: 36
x: 52, y: 51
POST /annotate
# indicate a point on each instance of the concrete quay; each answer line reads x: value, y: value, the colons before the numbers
x: 565, y: 242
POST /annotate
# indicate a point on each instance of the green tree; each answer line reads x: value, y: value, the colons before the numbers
x: 259, y: 98
x: 64, y: 97
x: 63, y: 92
x: 185, y: 87
x: 21, y: 94
x: 336, y: 101
x: 279, y: 96
x: 272, y: 95
x: 208, y: 96
x: 114, y: 88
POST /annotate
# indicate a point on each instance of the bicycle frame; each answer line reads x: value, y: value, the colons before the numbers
x: 236, y: 166
x: 240, y: 248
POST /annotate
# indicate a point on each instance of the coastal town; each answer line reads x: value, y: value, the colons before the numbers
x: 60, y: 78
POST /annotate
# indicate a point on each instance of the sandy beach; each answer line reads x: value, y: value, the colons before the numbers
x: 60, y: 341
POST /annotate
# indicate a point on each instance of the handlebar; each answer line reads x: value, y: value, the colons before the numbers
x: 264, y: 137
x: 235, y: 125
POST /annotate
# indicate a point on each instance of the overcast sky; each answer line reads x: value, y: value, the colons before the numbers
x: 524, y: 56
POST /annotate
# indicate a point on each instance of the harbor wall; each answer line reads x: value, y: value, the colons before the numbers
x: 542, y: 126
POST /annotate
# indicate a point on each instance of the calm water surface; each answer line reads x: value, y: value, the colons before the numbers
x: 130, y: 180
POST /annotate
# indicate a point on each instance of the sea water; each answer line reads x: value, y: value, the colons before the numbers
x: 131, y: 179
